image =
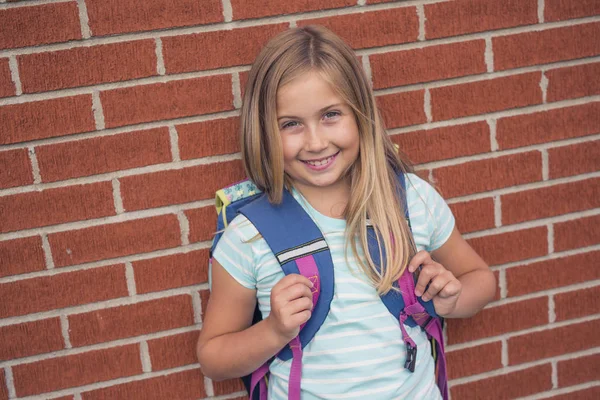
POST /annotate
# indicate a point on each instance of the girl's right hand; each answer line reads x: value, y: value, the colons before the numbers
x: 291, y: 305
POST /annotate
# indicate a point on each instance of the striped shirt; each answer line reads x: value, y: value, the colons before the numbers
x: 358, y: 351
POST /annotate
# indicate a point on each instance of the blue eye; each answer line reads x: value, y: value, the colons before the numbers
x: 289, y: 124
x: 331, y: 114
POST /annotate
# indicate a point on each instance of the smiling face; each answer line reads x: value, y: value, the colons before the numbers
x: 319, y: 134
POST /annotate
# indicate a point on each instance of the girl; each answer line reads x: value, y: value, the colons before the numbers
x: 309, y: 125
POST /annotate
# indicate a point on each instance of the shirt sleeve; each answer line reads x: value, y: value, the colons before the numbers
x: 440, y: 221
x: 234, y: 251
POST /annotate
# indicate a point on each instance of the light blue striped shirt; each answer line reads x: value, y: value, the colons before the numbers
x: 358, y: 351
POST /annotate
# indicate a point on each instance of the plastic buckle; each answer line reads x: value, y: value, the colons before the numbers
x: 411, y: 357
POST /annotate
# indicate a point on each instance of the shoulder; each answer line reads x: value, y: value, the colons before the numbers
x: 431, y: 218
x: 419, y: 188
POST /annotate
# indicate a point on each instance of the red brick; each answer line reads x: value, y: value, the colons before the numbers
x: 565, y: 198
x: 56, y: 206
x: 227, y: 48
x: 509, y: 386
x: 564, y: 271
x: 84, y: 66
x: 20, y: 256
x: 558, y: 10
x: 578, y: 303
x: 491, y: 173
x: 550, y: 45
x: 474, y: 215
x: 30, y: 338
x: 115, y: 240
x: 35, y: 25
x: 46, y: 118
x: 203, y: 223
x: 574, y: 159
x: 15, y: 168
x: 173, y: 351
x: 229, y: 386
x: 512, y: 246
x: 209, y: 138
x: 119, y: 16
x: 578, y: 370
x: 76, y: 370
x: 7, y: 86
x: 592, y: 393
x: 548, y: 126
x: 466, y: 16
x: 131, y: 320
x: 474, y: 360
x: 485, y: 96
x: 581, y: 232
x: 3, y: 388
x: 186, y: 385
x: 373, y: 28
x: 243, y: 81
x: 553, y: 342
x: 160, y: 101
x: 402, y: 109
x: 430, y: 63
x: 174, y: 271
x: 246, y: 9
x: 572, y: 82
x: 493, y: 321
x: 444, y: 143
x: 178, y: 186
x: 62, y: 290
x: 103, y: 154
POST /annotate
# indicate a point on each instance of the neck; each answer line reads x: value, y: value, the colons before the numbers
x: 330, y: 201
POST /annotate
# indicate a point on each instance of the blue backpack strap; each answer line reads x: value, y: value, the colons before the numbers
x: 292, y: 234
x: 393, y: 299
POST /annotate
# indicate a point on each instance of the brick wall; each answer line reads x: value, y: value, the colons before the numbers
x: 118, y: 122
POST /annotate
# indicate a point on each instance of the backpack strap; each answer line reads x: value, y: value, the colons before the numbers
x: 298, y: 245
x: 300, y: 248
x: 409, y: 309
x: 394, y: 300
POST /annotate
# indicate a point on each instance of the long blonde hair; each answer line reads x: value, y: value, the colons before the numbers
x: 374, y: 184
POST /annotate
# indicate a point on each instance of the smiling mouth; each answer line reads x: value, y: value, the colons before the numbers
x: 321, y: 162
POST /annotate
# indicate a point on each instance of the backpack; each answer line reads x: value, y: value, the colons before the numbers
x: 303, y: 250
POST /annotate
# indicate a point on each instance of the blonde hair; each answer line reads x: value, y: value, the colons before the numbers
x: 375, y: 190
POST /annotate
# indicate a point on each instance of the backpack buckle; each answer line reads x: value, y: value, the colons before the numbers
x: 411, y: 357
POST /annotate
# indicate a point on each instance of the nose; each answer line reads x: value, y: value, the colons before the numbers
x: 315, y: 140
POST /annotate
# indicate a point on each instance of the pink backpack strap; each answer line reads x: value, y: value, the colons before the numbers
x: 308, y: 268
x: 432, y: 327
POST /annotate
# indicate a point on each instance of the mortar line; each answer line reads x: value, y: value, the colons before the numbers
x: 13, y: 65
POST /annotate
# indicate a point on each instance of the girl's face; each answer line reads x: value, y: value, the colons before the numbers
x: 318, y: 132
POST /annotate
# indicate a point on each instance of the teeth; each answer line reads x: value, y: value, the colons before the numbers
x: 319, y: 163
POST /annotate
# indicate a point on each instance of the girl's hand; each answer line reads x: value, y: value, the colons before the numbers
x: 443, y: 288
x: 291, y: 305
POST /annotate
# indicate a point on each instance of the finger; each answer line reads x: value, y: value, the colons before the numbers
x: 436, y: 285
x: 291, y: 293
x: 293, y: 279
x: 452, y: 288
x: 300, y: 318
x: 422, y: 257
x: 427, y: 273
x: 298, y: 305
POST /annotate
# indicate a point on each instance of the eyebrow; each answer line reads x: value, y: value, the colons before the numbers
x: 320, y: 111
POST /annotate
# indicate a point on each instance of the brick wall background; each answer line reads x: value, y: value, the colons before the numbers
x: 118, y: 121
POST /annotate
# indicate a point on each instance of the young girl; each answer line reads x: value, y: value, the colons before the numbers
x: 310, y: 126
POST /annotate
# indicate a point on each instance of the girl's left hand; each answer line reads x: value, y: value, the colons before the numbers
x: 443, y: 288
